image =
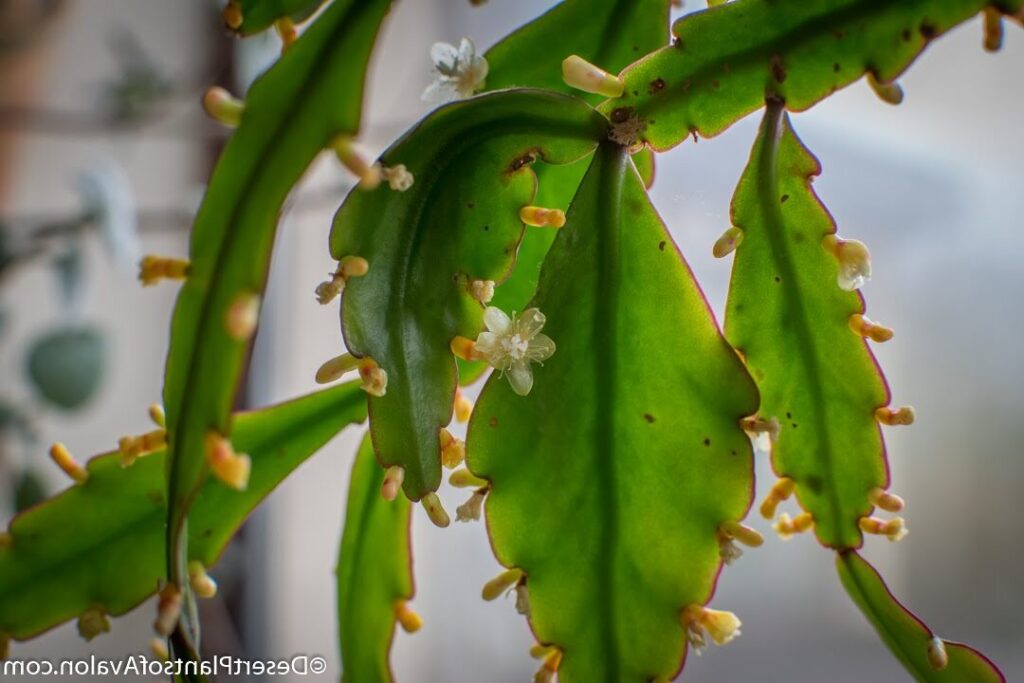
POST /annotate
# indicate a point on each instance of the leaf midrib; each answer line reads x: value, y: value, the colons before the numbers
x: 274, y: 144
x: 398, y: 305
x: 768, y: 193
x: 606, y: 340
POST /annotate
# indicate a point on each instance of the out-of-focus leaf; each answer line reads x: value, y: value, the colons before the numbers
x: 907, y: 636
x: 101, y: 543
x: 609, y: 33
x: 790, y: 320
x: 312, y: 94
x: 459, y: 221
x: 609, y: 480
x: 374, y: 572
x: 66, y: 365
x: 13, y: 418
x: 725, y: 59
x: 68, y: 267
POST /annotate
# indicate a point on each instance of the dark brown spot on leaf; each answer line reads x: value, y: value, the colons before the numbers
x: 906, y: 34
x: 778, y: 279
x: 814, y: 483
x: 784, y: 198
x: 661, y: 245
x: 836, y: 67
x: 621, y: 115
x: 649, y: 417
x: 928, y: 29
x: 493, y: 422
x: 657, y: 85
x: 707, y: 441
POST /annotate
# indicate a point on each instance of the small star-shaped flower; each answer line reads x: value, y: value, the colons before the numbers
x: 460, y: 72
x: 510, y: 344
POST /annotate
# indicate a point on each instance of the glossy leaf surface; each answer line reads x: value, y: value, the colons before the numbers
x: 725, y: 59
x: 788, y: 317
x: 460, y: 220
x: 374, y: 571
x: 258, y: 15
x: 906, y: 635
x: 610, y: 479
x: 609, y: 33
x: 311, y: 95
x: 102, y: 543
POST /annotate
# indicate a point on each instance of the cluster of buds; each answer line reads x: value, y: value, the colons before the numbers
x: 229, y: 467
x: 153, y: 269
x: 373, y: 377
x: 348, y: 267
x: 722, y: 627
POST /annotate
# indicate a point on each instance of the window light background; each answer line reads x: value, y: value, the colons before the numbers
x: 934, y: 187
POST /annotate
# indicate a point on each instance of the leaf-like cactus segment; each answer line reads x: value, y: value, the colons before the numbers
x: 101, y: 543
x: 726, y: 59
x: 609, y: 480
x: 790, y: 320
x: 609, y: 33
x: 908, y: 637
x: 374, y: 572
x: 292, y: 112
x: 258, y: 15
x: 458, y: 222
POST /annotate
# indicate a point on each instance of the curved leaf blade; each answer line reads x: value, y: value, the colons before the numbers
x: 790, y: 320
x: 609, y: 33
x: 259, y: 15
x: 374, y: 571
x: 459, y: 220
x: 725, y: 59
x: 101, y: 543
x: 610, y: 479
x: 906, y: 635
x: 312, y: 94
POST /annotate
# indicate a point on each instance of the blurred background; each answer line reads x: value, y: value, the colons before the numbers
x: 103, y: 154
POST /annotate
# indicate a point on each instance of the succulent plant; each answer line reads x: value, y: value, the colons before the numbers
x: 511, y: 230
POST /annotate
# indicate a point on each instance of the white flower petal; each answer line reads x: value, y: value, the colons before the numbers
x: 496, y: 320
x: 541, y: 348
x: 445, y: 57
x: 489, y: 345
x: 478, y: 70
x: 530, y: 323
x: 467, y: 52
x: 440, y: 91
x: 520, y: 376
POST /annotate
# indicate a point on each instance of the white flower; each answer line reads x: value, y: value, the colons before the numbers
x: 460, y: 73
x: 510, y: 344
